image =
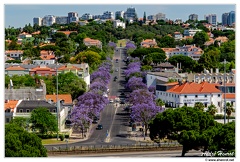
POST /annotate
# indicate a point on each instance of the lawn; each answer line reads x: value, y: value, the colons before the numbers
x: 52, y: 141
x: 122, y: 41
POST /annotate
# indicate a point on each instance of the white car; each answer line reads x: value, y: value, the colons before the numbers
x: 116, y: 69
x: 111, y: 101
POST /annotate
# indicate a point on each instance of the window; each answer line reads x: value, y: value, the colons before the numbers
x: 219, y: 104
x: 185, y: 104
x: 185, y: 96
x: 196, y: 96
x: 21, y: 110
x: 161, y: 93
x: 54, y: 110
x: 27, y: 110
x: 7, y: 120
x: 219, y: 95
x: 205, y: 104
x: 205, y: 96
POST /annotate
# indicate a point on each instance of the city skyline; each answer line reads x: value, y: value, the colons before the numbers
x: 19, y: 15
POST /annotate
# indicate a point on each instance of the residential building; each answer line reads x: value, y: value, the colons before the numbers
x: 15, y: 54
x: 130, y: 14
x: 165, y: 66
x: 26, y: 93
x: 186, y: 50
x: 107, y: 15
x: 161, y: 16
x: 92, y: 42
x: 178, y: 21
x: 87, y: 16
x: 24, y: 35
x: 161, y: 77
x: 212, y: 77
x: 193, y: 17
x: 152, y: 17
x: 37, y: 20
x: 225, y: 19
x: 149, y: 43
x: 82, y: 23
x: 16, y: 70
x: 119, y: 23
x: 178, y: 36
x: 188, y: 93
x: 231, y: 18
x: 191, y: 32
x: 61, y: 19
x: 47, y: 57
x: 211, y: 18
x: 48, y: 20
x: 42, y: 70
x: 119, y: 14
x: 9, y: 107
x: 72, y: 17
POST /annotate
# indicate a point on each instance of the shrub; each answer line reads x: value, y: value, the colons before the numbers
x: 61, y: 136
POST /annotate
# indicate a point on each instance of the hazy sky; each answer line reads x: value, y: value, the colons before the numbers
x: 21, y: 14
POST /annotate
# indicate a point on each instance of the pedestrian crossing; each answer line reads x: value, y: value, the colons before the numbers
x: 118, y: 104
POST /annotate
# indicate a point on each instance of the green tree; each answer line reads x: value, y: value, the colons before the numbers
x: 224, y: 140
x: 229, y: 109
x: 210, y: 59
x: 158, y: 57
x: 167, y: 42
x: 184, y: 125
x: 20, y: 143
x: 21, y: 122
x: 200, y: 38
x: 43, y: 120
x: 159, y: 102
x: 89, y: 57
x: 199, y: 106
x: 187, y: 63
x: 212, y: 109
x: 146, y: 67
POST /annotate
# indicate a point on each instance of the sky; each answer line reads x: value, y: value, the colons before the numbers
x: 21, y: 14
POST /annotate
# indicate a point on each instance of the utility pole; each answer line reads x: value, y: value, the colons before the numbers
x: 57, y: 98
x: 224, y: 91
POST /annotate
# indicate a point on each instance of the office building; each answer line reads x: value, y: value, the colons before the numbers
x: 87, y: 16
x: 161, y: 16
x: 61, y: 20
x: 107, y: 15
x: 225, y: 19
x: 193, y: 17
x: 231, y: 18
x: 37, y: 20
x: 211, y: 18
x: 119, y: 14
x: 48, y: 20
x: 130, y: 14
x: 72, y: 17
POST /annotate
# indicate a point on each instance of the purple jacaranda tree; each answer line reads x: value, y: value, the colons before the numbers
x: 135, y: 83
x: 103, y: 74
x: 141, y: 96
x: 134, y: 67
x: 144, y: 113
x: 80, y: 117
x: 112, y: 44
x: 130, y: 45
x: 152, y: 89
x: 98, y: 86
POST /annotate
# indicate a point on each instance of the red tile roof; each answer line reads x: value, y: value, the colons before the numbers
x: 229, y: 95
x: 66, y: 97
x: 67, y: 32
x: 194, y: 88
x: 10, y: 104
x: 15, y: 68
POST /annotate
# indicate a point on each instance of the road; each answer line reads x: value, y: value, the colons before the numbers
x: 113, y: 118
x: 140, y: 154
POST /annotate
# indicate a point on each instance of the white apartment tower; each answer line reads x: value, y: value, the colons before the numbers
x: 119, y: 14
x: 160, y: 16
x: 37, y: 20
x: 211, y: 18
x: 48, y: 20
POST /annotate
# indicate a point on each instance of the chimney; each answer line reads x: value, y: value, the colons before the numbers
x: 211, y: 70
x: 217, y: 70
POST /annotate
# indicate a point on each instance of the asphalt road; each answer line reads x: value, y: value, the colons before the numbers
x: 146, y: 154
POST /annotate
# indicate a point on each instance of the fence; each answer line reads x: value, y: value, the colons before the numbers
x: 113, y: 148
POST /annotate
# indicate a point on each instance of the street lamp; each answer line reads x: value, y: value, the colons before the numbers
x: 57, y: 97
x: 224, y: 91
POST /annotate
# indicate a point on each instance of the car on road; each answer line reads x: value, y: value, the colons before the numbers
x: 122, y: 102
x: 115, y: 78
x: 94, y: 121
x: 116, y: 69
x: 116, y: 60
x: 111, y: 101
x: 99, y: 127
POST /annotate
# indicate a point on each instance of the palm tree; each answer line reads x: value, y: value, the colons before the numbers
x: 229, y: 110
x: 199, y: 106
x: 159, y: 102
x: 212, y: 109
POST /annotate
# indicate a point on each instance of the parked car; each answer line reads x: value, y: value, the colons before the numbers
x: 99, y: 127
x: 116, y: 60
x: 94, y: 121
x: 110, y: 101
x: 116, y: 69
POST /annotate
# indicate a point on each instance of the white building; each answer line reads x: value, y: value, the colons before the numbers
x: 48, y: 20
x: 37, y: 20
x: 107, y: 15
x: 161, y: 77
x: 161, y: 16
x: 187, y: 94
x: 187, y: 50
x: 87, y: 16
x: 72, y: 17
x: 211, y: 18
x: 61, y: 20
x: 119, y: 14
x: 118, y: 23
